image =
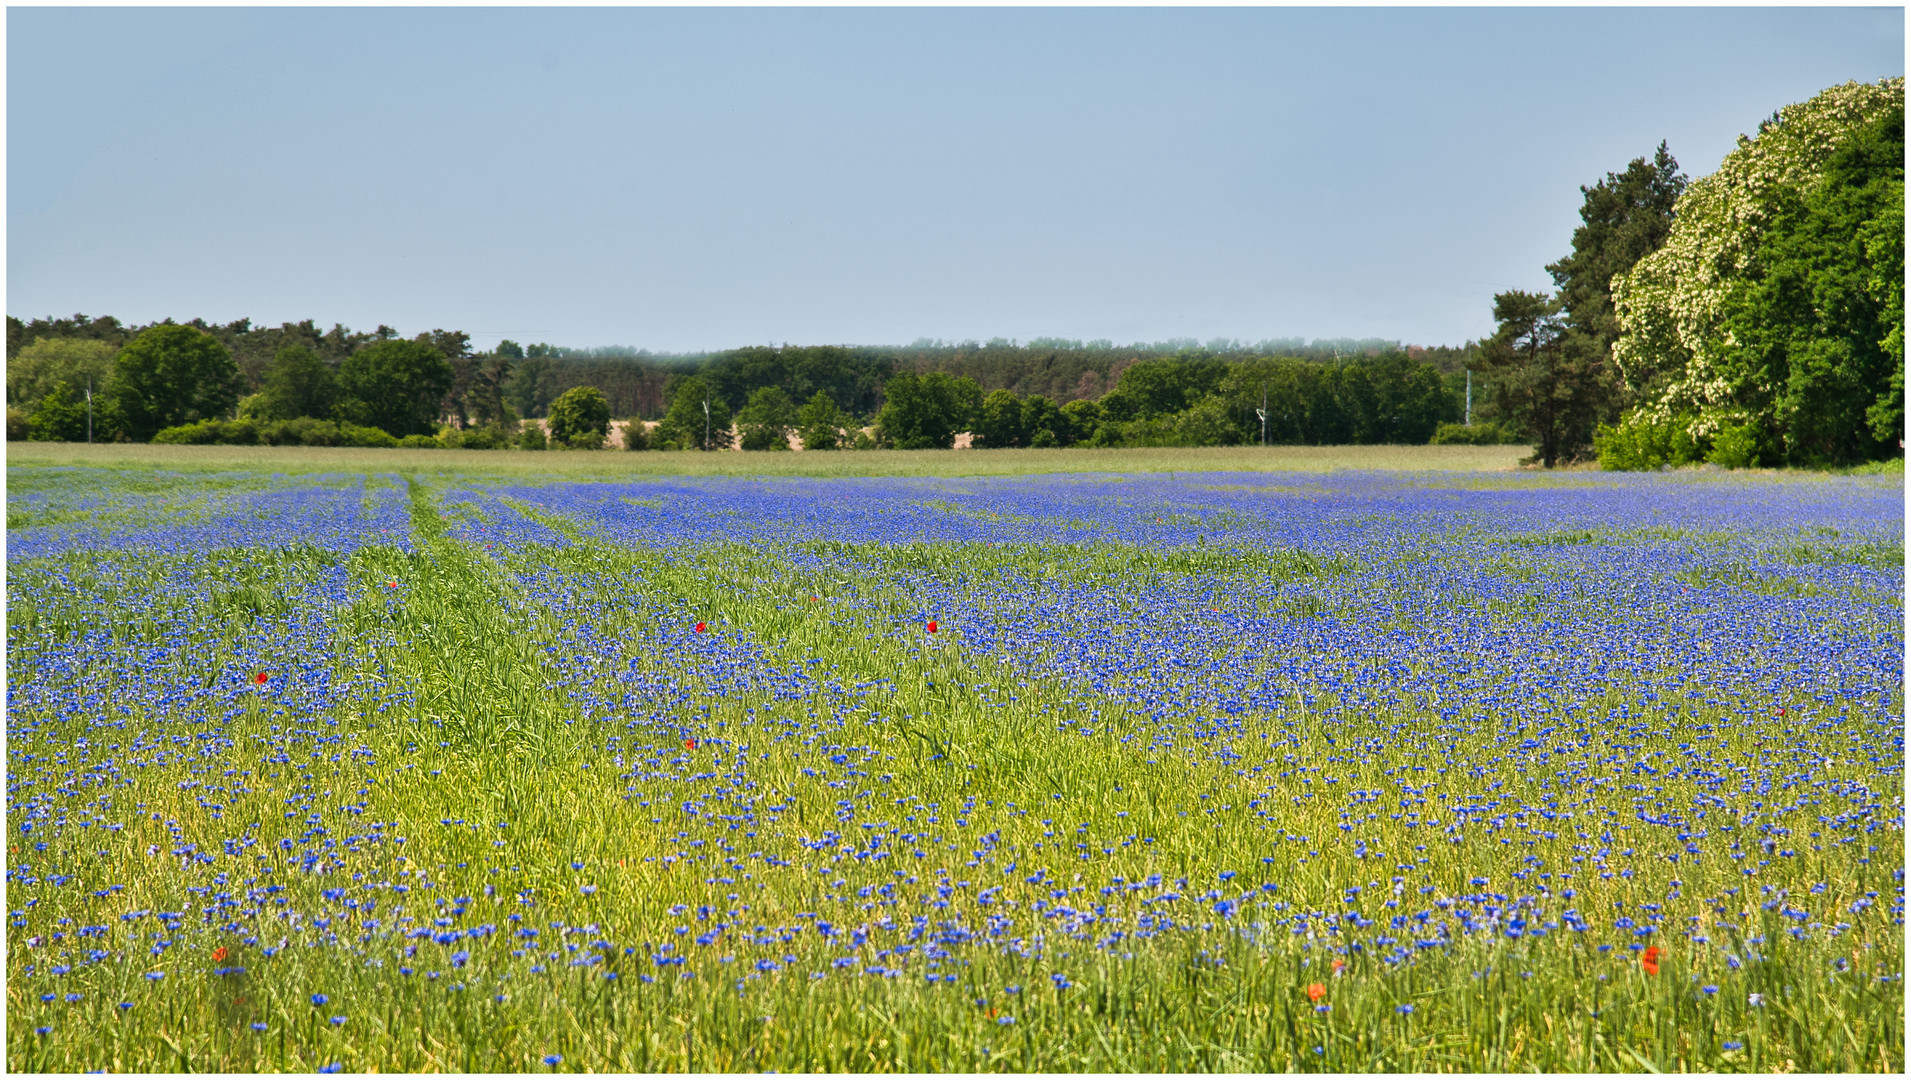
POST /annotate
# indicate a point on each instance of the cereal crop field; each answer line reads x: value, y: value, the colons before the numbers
x: 393, y: 764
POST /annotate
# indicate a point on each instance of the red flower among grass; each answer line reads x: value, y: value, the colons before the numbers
x: 1316, y: 991
x: 1650, y: 960
x: 219, y: 953
x: 932, y: 626
x: 690, y: 744
x: 699, y: 628
x: 261, y: 678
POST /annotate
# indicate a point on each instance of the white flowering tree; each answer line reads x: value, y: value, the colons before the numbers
x: 1740, y: 331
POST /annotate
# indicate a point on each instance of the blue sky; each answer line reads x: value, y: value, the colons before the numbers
x: 686, y: 178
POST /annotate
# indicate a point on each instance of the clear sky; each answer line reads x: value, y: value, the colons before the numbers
x: 682, y: 179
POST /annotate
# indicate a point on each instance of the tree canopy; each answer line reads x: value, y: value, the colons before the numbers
x: 1774, y: 311
x: 396, y: 386
x: 171, y: 374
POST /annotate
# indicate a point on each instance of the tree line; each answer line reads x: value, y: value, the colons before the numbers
x: 77, y: 378
x: 1755, y: 316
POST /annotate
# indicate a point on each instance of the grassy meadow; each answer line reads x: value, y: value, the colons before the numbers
x: 1236, y: 760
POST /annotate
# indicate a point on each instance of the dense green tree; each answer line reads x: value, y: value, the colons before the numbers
x: 1083, y: 417
x: 298, y: 382
x: 60, y: 416
x: 580, y: 418
x: 1042, y: 422
x: 925, y: 412
x: 998, y: 423
x: 1624, y: 218
x: 820, y: 423
x: 396, y: 386
x: 698, y: 419
x: 530, y: 386
x: 1548, y: 391
x: 78, y: 362
x: 764, y: 421
x: 1811, y: 325
x: 168, y: 375
x: 1162, y: 387
x: 486, y: 394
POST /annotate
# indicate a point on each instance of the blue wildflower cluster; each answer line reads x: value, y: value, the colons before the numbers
x: 502, y: 738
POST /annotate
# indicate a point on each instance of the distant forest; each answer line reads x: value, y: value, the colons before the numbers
x: 636, y: 382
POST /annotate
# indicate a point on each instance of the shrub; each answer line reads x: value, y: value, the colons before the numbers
x: 1639, y: 446
x: 636, y: 435
x: 420, y: 442
x: 1491, y: 433
x: 580, y: 418
x: 532, y: 438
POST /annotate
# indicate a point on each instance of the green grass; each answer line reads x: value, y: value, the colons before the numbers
x: 485, y: 739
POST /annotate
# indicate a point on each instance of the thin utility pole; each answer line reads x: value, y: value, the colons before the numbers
x: 1262, y: 413
x: 706, y: 422
x: 89, y: 408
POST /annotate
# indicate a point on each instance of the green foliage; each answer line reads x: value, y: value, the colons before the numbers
x: 1624, y: 218
x: 1735, y: 447
x: 479, y: 437
x: 78, y: 362
x: 1083, y: 418
x: 1482, y: 434
x: 420, y: 442
x: 171, y: 375
x: 698, y: 419
x: 300, y: 431
x: 821, y: 423
x: 853, y: 378
x: 1777, y: 300
x: 1155, y: 388
x: 1550, y: 387
x: 636, y: 435
x: 396, y: 386
x: 298, y: 382
x: 533, y: 438
x: 1638, y: 445
x: 580, y: 418
x: 1809, y: 322
x: 924, y: 412
x: 998, y: 422
x: 18, y: 427
x: 764, y: 423
x: 60, y: 416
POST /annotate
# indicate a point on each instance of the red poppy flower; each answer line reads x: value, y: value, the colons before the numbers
x: 1650, y: 960
x: 1338, y: 964
x: 391, y: 584
x: 932, y: 626
x: 1316, y: 991
x: 690, y: 744
x: 219, y: 953
x: 261, y: 678
x: 699, y: 628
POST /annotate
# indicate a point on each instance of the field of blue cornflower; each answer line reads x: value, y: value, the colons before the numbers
x: 1229, y: 771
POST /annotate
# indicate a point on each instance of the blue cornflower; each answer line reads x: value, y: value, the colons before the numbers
x: 553, y: 1059
x: 1733, y: 1045
x: 258, y: 1025
x: 319, y: 999
x: 1404, y: 1009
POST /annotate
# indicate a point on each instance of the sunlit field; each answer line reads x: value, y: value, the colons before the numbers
x: 393, y: 767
